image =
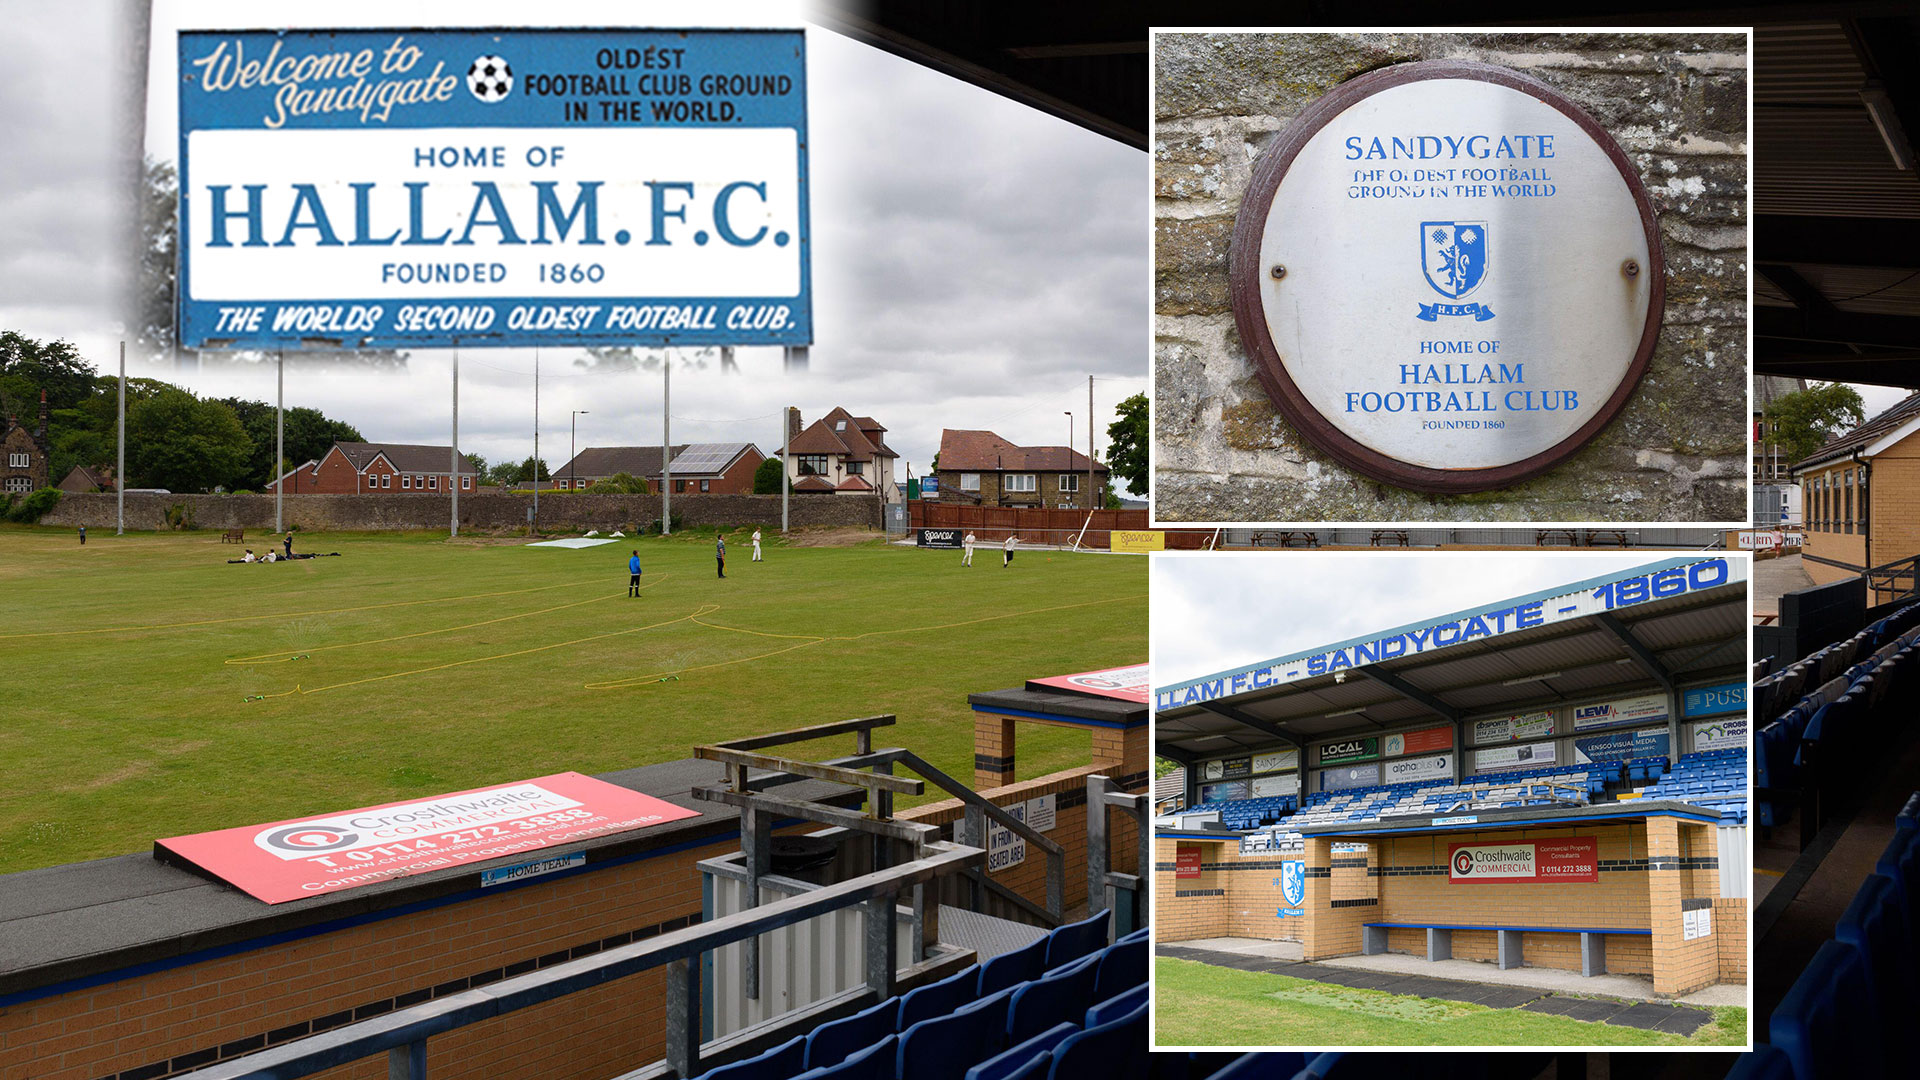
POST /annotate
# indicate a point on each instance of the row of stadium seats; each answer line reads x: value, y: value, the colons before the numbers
x: 1845, y: 1016
x: 1712, y: 778
x: 1066, y: 1005
x: 1831, y: 724
x: 1781, y: 690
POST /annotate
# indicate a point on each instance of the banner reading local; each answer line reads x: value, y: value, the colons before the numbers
x: 289, y: 860
x: 1575, y: 859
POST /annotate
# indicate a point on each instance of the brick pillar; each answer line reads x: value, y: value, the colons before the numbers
x: 992, y: 751
x: 1329, y: 930
x: 1676, y: 879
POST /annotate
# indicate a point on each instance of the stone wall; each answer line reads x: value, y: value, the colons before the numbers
x: 1675, y: 103
x: 559, y: 512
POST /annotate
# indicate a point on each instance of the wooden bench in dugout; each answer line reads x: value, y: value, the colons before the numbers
x: 1593, y: 941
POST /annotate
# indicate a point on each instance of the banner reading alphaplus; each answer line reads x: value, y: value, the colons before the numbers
x: 382, y: 188
x: 287, y: 860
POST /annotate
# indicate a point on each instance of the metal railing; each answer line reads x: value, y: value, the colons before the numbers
x: 1105, y: 885
x: 1897, y: 578
x: 403, y: 1034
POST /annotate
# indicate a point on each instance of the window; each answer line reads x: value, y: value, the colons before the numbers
x: 856, y: 468
x: 706, y: 485
x: 19, y: 461
x: 1863, y: 499
x: 433, y: 483
x: 813, y: 464
x: 406, y: 483
x: 466, y: 483
x: 1069, y: 482
x: 386, y: 481
x: 679, y: 486
x: 1022, y: 482
x: 969, y: 481
x: 1847, y: 512
x: 839, y: 425
x: 19, y: 483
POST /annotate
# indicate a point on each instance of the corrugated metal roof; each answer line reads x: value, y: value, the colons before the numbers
x: 1805, y: 63
x: 1827, y: 162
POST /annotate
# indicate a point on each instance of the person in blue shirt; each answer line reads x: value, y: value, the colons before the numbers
x: 633, y: 575
x: 720, y: 555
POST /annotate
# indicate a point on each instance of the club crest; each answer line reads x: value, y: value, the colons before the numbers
x: 1454, y: 256
x: 1293, y: 881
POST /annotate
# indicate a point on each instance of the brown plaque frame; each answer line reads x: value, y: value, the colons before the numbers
x: 1246, y: 281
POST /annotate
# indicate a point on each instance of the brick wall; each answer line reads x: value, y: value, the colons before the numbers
x: 1730, y: 930
x: 559, y: 511
x: 1677, y: 452
x: 1188, y: 908
x: 154, y: 1025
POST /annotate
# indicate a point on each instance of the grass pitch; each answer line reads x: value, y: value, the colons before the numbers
x: 148, y: 689
x: 1201, y: 1005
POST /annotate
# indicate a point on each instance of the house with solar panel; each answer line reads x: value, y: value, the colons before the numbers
x: 722, y: 468
x: 840, y: 454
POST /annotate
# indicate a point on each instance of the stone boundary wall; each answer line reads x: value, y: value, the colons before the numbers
x: 558, y: 512
x: 1677, y: 452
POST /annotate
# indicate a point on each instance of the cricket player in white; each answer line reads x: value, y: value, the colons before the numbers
x: 1007, y: 556
x: 967, y: 559
x: 756, y: 545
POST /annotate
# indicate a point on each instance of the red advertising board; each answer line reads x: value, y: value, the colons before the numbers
x: 288, y: 860
x: 1122, y: 683
x: 1186, y: 861
x: 1574, y: 859
x: 1429, y: 740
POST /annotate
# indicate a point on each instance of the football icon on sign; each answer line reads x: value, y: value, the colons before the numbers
x: 490, y: 79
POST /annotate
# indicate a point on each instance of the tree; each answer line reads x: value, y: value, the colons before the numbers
x: 154, y: 330
x: 1127, y: 443
x: 531, y: 469
x: 29, y: 368
x: 309, y: 435
x: 179, y: 442
x: 504, y: 474
x: 620, y: 484
x: 479, y: 466
x: 1162, y: 766
x: 1805, y: 420
x: 766, y: 478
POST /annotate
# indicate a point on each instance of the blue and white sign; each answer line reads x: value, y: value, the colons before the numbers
x: 414, y: 188
x: 1656, y: 581
x: 502, y: 875
x: 1643, y: 709
x: 1714, y: 700
x: 1620, y: 746
x: 1728, y: 733
x: 1454, y: 256
x: 1350, y: 776
x: 1293, y: 882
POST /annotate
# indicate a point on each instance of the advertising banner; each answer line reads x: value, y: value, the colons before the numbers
x: 1268, y: 786
x: 1237, y: 768
x: 1128, y: 683
x: 1644, y: 709
x: 1436, y: 767
x: 1351, y: 777
x: 1536, y: 725
x: 1275, y: 762
x: 1138, y: 540
x: 1424, y: 741
x: 1575, y: 859
x: 1620, y: 746
x: 939, y: 538
x: 433, y: 188
x: 1223, y: 792
x: 1513, y: 757
x: 1186, y: 861
x: 1728, y: 697
x: 301, y: 857
x: 1725, y: 734
x: 1350, y: 750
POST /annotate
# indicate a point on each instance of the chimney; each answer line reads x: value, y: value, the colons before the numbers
x: 793, y: 422
x: 40, y: 436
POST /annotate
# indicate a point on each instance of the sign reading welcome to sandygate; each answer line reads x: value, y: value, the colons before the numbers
x: 400, y: 187
x: 1448, y: 275
x: 1575, y: 859
x: 288, y: 860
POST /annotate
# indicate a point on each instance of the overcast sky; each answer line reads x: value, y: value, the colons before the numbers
x: 1214, y: 612
x: 975, y: 260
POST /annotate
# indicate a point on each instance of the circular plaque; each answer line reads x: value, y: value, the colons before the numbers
x: 1448, y: 277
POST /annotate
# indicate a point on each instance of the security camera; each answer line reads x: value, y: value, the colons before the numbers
x: 1339, y: 677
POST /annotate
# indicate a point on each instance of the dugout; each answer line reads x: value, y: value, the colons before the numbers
x: 1599, y: 699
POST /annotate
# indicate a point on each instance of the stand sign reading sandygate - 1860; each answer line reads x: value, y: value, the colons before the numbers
x: 1448, y: 276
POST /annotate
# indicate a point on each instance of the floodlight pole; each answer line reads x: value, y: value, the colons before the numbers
x: 1095, y: 493
x: 453, y: 480
x: 572, y: 430
x: 120, y: 466
x: 666, y: 451
x: 536, y: 440
x: 786, y: 462
x: 279, y: 434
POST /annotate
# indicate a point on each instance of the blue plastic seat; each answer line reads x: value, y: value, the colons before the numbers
x: 1819, y: 1024
x: 875, y: 1062
x: 943, y: 1048
x: 832, y: 1042
x: 1021, y: 965
x: 1107, y: 1010
x: 938, y: 999
x: 1110, y: 1051
x: 1875, y: 923
x: 776, y: 1064
x: 1123, y: 966
x: 1271, y: 1066
x: 1015, y: 1060
x: 1060, y: 996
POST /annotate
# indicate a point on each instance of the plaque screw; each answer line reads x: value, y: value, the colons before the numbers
x: 1279, y: 271
x: 1630, y: 268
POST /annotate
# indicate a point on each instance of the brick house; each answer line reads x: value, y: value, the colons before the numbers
x: 83, y: 479
x: 1860, y: 497
x: 840, y: 454
x: 979, y: 468
x: 354, y: 468
x: 299, y: 480
x: 711, y: 468
x: 25, y: 467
